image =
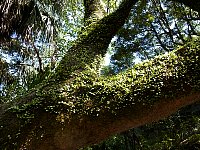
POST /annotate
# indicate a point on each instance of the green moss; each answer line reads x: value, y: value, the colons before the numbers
x: 167, y: 76
x: 172, y: 75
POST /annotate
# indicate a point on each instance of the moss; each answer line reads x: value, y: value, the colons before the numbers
x: 173, y: 75
x: 168, y: 76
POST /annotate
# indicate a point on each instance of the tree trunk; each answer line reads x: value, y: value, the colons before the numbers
x: 76, y: 108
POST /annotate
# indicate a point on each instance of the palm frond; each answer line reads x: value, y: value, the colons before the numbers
x: 27, y: 17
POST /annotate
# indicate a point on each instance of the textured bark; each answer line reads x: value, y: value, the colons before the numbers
x: 93, y: 42
x: 81, y: 108
x: 94, y: 11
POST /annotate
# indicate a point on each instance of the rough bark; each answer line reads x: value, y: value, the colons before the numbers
x: 76, y: 107
x: 93, y: 42
x: 94, y: 11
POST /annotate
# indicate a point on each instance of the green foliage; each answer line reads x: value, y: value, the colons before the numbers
x: 171, y: 132
x: 32, y: 56
x: 147, y: 34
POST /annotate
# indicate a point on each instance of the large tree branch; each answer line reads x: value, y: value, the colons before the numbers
x: 88, y: 109
x: 94, y: 40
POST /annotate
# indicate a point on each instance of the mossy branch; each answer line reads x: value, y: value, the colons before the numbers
x: 91, y: 108
x: 93, y: 41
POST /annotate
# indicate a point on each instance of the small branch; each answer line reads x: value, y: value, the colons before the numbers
x: 38, y: 57
x: 180, y: 36
x: 158, y: 38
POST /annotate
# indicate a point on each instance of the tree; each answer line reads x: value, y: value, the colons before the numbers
x: 172, y: 131
x: 74, y: 107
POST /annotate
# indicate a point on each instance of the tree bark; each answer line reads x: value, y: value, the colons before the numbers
x: 94, y: 11
x: 76, y: 108
x: 93, y: 42
x: 74, y: 114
